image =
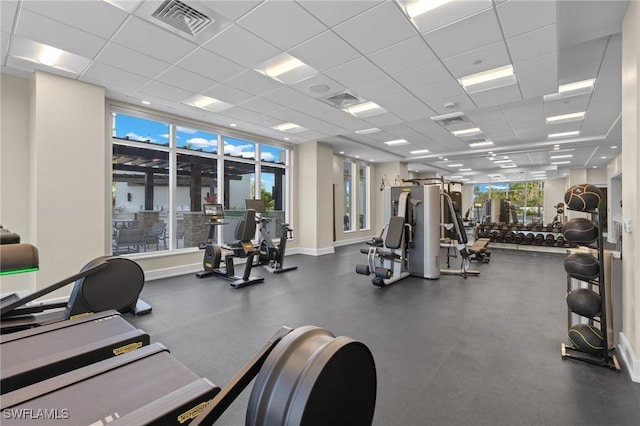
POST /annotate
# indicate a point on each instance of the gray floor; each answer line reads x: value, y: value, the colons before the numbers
x: 481, y: 351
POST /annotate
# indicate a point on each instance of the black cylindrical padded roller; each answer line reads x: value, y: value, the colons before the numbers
x: 584, y: 197
x: 582, y: 266
x: 362, y: 269
x: 584, y: 302
x: 314, y: 378
x: 580, y: 230
x: 587, y: 338
x: 383, y: 272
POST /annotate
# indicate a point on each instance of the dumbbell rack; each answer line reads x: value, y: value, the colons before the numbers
x: 604, y: 358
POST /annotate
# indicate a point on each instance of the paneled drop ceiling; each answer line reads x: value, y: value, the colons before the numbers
x: 409, y: 65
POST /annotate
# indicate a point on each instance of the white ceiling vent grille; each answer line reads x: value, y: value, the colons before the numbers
x: 343, y: 100
x: 453, y: 120
x: 182, y: 17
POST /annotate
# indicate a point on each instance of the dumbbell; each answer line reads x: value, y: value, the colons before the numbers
x: 538, y: 239
x: 519, y: 238
x: 560, y: 241
x: 549, y: 240
x: 509, y: 237
x: 499, y: 237
x: 528, y: 239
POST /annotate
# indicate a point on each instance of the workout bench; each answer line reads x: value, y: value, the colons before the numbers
x: 478, y: 250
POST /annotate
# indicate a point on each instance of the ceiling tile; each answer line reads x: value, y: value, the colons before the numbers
x: 319, y: 80
x: 462, y: 103
x: 324, y: 51
x: 469, y: 34
x: 36, y: 27
x: 283, y: 24
x: 532, y: 44
x: 132, y: 61
x: 378, y: 89
x: 286, y: 96
x: 583, y: 59
x: 244, y: 114
x: 253, y: 82
x: 7, y: 15
x: 260, y: 105
x: 539, y: 86
x: 500, y: 96
x: 153, y: 41
x: 517, y: 17
x: 526, y: 118
x: 106, y: 75
x: 327, y: 12
x: 187, y: 80
x: 448, y: 13
x: 439, y: 92
x: 406, y: 106
x: 240, y: 46
x: 227, y: 94
x: 484, y: 58
x: 533, y: 68
x: 210, y: 65
x: 425, y: 75
x: 95, y: 17
x: 567, y: 105
x: 364, y: 32
x: 330, y: 114
x: 294, y: 116
x: 232, y: 9
x: 403, y: 56
x: 164, y: 91
x: 356, y: 72
x: 382, y: 120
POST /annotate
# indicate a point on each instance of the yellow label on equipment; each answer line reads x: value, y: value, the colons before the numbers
x: 193, y: 412
x: 127, y: 348
x: 84, y: 314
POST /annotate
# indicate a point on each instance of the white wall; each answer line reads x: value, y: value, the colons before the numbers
x: 391, y: 171
x: 630, y: 335
x: 14, y: 168
x: 554, y: 190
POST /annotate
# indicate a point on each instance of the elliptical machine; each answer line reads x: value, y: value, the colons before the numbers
x: 270, y: 256
x: 242, y: 248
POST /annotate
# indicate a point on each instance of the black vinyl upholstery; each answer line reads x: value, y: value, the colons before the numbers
x: 395, y: 229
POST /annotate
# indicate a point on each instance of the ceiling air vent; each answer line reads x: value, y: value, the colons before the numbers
x: 450, y: 119
x: 182, y: 17
x: 343, y: 100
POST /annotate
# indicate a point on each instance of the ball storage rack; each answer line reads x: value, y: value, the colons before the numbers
x: 606, y: 356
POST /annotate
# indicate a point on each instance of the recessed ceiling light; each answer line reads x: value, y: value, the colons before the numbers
x: 367, y: 131
x: 555, y: 157
x: 207, y: 103
x: 365, y: 109
x: 357, y: 156
x: 286, y: 69
x: 595, y: 167
x: 49, y: 56
x: 341, y: 152
x: 289, y: 127
x: 146, y: 102
x: 23, y: 49
x: 555, y: 163
x: 614, y: 147
x: 455, y: 177
x: 419, y: 7
x: 490, y: 79
x: 564, y: 134
x: 440, y: 158
x: 397, y: 142
x: 508, y: 166
x: 233, y: 124
x: 467, y: 132
x: 465, y: 170
x: 603, y: 157
x: 566, y: 118
x: 445, y: 159
x: 455, y: 165
x: 419, y: 151
x: 480, y: 144
x: 572, y: 89
x: 286, y: 139
x: 502, y: 161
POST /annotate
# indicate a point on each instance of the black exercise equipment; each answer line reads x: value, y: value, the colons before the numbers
x: 582, y: 266
x: 270, y: 256
x: 519, y: 238
x: 549, y: 240
x: 583, y: 198
x: 586, y: 338
x: 242, y: 248
x: 560, y: 242
x: 305, y: 376
x: 105, y: 283
x: 584, y: 302
x: 8, y: 237
x: 528, y: 239
x: 391, y: 253
x: 580, y: 230
x: 509, y: 237
x: 538, y: 239
x: 37, y: 354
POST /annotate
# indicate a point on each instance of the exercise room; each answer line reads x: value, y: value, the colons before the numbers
x: 319, y: 212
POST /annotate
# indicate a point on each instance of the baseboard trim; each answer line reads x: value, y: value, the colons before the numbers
x: 350, y: 241
x: 629, y: 358
x: 173, y: 271
x: 311, y: 251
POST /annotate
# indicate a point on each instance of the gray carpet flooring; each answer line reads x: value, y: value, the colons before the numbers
x: 480, y: 351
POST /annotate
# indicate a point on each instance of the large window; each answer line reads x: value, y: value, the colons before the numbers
x: 348, y: 195
x: 527, y: 197
x: 163, y: 171
x: 363, y: 192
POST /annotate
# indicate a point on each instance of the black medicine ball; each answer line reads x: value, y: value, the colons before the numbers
x: 586, y: 338
x: 584, y: 302
x: 580, y: 230
x: 583, y: 197
x: 582, y: 266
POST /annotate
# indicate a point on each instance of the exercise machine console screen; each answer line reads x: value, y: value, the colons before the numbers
x: 213, y: 212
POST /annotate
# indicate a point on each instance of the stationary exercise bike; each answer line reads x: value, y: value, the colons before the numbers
x: 242, y: 248
x: 270, y: 256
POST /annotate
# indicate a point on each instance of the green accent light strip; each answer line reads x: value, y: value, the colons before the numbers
x: 19, y: 271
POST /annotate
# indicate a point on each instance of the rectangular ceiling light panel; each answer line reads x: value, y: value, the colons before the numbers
x: 564, y: 134
x: 289, y: 128
x: 365, y: 109
x: 480, y: 144
x: 566, y: 118
x: 487, y: 80
x: 286, y: 69
x: 467, y: 132
x: 207, y: 103
x: 397, y: 142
